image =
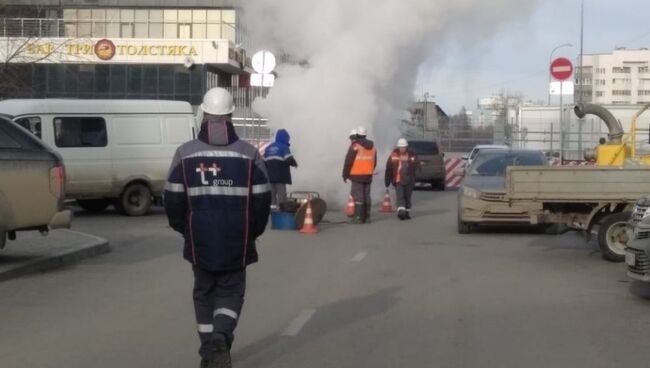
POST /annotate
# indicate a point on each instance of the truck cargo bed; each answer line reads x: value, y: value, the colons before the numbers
x: 577, y: 184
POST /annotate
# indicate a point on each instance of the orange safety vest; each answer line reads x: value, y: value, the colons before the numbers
x: 397, y: 160
x: 364, y: 163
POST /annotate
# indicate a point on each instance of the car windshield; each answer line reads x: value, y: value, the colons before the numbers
x: 424, y: 148
x: 496, y: 162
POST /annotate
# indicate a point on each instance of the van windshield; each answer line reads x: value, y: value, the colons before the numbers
x: 496, y: 162
x: 421, y: 148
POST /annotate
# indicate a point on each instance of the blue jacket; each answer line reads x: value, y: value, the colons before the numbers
x: 218, y: 197
x: 279, y: 159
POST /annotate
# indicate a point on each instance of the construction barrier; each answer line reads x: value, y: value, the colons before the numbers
x: 451, y: 164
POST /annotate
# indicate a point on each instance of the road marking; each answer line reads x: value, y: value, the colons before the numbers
x: 297, y: 324
x: 359, y: 256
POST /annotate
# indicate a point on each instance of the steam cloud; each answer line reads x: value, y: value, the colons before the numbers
x: 359, y: 60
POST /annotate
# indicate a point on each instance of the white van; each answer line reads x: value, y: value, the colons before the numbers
x: 115, y: 151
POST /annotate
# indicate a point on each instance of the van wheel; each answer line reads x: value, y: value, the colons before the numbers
x: 613, y: 236
x: 94, y: 205
x: 135, y: 200
x: 3, y: 239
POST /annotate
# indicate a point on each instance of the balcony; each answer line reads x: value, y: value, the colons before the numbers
x: 85, y: 28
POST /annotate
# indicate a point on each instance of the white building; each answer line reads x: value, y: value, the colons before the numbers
x: 619, y: 78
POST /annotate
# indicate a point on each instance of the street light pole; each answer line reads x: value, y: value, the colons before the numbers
x: 426, y: 114
x: 549, y: 71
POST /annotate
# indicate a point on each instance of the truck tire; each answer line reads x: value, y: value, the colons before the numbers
x: 464, y: 227
x: 94, y: 205
x: 3, y: 239
x: 613, y: 236
x: 135, y: 200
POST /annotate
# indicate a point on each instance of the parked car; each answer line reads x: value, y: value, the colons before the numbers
x: 481, y: 198
x: 637, y: 254
x: 115, y: 151
x: 32, y: 184
x: 481, y: 147
x: 432, y: 163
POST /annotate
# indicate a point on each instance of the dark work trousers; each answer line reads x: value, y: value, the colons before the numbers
x: 404, y: 194
x: 361, y: 195
x: 278, y: 194
x: 218, y: 301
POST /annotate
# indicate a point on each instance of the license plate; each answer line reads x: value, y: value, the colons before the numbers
x: 630, y: 259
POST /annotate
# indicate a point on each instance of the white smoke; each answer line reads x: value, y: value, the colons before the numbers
x: 359, y: 60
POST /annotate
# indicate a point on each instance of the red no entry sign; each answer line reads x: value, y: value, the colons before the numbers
x: 561, y: 69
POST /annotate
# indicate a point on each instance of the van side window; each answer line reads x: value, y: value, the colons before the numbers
x: 32, y: 123
x: 75, y: 131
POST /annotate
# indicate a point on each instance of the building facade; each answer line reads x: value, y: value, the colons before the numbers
x: 121, y: 49
x: 619, y: 78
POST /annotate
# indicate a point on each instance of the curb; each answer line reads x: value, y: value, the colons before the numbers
x: 95, y: 247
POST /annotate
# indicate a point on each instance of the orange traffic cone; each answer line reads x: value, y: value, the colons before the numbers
x: 309, y: 227
x: 349, y: 210
x: 387, y: 207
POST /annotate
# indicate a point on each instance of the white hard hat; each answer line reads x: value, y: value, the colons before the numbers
x: 362, y: 131
x: 353, y: 133
x: 402, y: 143
x: 218, y: 101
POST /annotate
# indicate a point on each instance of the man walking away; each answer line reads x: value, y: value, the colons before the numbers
x: 360, y: 164
x: 218, y: 197
x: 401, y: 169
x: 279, y: 161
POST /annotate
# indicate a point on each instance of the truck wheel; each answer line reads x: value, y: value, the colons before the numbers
x: 3, y: 239
x: 94, y: 205
x: 613, y: 236
x: 135, y: 200
x: 464, y: 227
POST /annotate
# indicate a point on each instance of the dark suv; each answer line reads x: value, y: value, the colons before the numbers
x: 432, y: 163
x: 32, y: 184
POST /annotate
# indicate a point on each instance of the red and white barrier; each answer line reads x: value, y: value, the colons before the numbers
x: 451, y: 164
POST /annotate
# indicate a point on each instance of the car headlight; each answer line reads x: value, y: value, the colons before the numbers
x: 471, y: 193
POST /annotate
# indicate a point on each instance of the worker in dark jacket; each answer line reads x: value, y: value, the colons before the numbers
x: 279, y: 160
x: 218, y: 197
x: 401, y: 170
x: 359, y: 167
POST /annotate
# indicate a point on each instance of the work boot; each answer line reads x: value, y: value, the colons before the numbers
x: 358, y: 213
x: 402, y: 215
x: 205, y: 363
x: 408, y: 214
x: 220, y: 353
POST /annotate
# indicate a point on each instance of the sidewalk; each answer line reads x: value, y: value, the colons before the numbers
x: 33, y: 253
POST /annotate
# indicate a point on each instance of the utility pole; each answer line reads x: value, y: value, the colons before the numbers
x: 582, y: 39
x: 426, y: 114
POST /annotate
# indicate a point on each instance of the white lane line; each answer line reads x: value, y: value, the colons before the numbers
x: 359, y: 256
x: 297, y: 324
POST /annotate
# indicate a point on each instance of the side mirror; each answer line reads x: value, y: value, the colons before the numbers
x: 465, y: 157
x: 458, y: 171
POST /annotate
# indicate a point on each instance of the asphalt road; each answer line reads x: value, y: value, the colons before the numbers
x: 389, y: 294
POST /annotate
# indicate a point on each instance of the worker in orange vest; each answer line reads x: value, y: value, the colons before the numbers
x: 360, y: 164
x: 401, y: 169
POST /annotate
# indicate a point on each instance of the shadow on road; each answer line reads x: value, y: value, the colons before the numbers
x: 640, y: 289
x: 328, y: 320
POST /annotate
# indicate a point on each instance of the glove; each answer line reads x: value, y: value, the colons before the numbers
x: 345, y: 180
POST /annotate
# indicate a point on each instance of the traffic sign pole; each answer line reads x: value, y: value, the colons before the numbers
x: 561, y: 70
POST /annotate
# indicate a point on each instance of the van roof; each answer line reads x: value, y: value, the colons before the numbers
x: 20, y: 107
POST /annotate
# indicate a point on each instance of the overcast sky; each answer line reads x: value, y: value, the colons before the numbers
x: 516, y: 59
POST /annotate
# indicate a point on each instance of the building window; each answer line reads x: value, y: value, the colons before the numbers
x: 644, y: 69
x: 621, y: 92
x: 600, y: 94
x: 625, y: 70
x: 644, y: 92
x: 70, y: 132
x: 33, y: 124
